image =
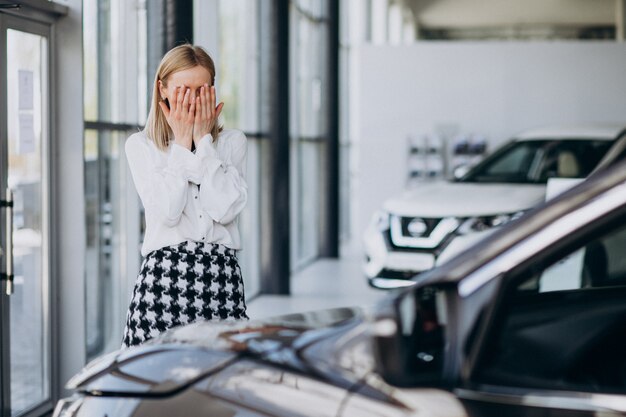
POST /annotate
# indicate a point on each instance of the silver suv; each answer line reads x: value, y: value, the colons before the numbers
x: 428, y: 224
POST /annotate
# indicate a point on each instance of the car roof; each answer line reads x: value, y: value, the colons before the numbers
x: 460, y: 266
x: 591, y: 131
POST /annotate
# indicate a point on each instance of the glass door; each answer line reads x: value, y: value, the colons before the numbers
x: 24, y: 190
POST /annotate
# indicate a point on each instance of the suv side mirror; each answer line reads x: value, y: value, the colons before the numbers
x: 408, y: 337
x: 556, y: 186
x: 460, y: 171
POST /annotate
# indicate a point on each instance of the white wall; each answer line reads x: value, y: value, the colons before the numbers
x: 494, y: 88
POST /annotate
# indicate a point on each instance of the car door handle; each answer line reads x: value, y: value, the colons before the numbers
x: 7, y: 275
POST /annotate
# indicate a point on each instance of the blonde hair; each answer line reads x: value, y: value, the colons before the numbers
x: 177, y: 59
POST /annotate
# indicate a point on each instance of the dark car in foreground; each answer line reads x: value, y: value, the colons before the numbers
x: 532, y: 322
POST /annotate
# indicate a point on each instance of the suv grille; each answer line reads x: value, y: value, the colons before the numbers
x: 435, y: 232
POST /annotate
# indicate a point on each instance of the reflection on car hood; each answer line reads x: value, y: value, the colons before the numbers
x: 332, y: 344
x: 446, y: 199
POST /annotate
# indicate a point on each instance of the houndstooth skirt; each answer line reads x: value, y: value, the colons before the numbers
x: 181, y: 284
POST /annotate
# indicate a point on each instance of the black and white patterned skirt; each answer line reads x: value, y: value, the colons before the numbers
x: 181, y: 284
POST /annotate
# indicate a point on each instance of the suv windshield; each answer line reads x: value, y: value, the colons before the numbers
x: 534, y: 161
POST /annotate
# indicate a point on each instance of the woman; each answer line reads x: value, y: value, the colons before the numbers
x: 190, y: 176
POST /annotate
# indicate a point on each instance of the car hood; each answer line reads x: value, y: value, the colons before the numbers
x: 464, y: 199
x: 332, y: 344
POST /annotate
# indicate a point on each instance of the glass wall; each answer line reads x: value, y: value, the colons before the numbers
x: 308, y: 50
x: 115, y: 106
x: 237, y: 85
x: 242, y: 34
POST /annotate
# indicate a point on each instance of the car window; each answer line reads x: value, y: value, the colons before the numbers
x: 562, y: 326
x: 514, y: 163
x: 535, y: 161
x: 509, y: 164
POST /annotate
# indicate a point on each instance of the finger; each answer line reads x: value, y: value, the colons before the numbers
x: 192, y: 99
x: 212, y: 102
x: 172, y: 102
x: 192, y: 106
x: 186, y: 100
x: 219, y: 110
x: 164, y: 108
x: 207, y: 102
x: 198, y: 113
x: 180, y: 97
x: 203, y: 102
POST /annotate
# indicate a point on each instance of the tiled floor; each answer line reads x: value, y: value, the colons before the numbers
x: 326, y: 283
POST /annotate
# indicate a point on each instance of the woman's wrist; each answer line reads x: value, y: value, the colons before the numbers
x: 185, y: 142
x: 197, y: 136
x: 204, y: 146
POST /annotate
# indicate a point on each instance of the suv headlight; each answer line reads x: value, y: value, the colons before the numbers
x: 68, y: 407
x: 482, y: 223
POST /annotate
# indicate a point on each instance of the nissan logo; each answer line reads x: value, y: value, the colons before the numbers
x: 417, y: 227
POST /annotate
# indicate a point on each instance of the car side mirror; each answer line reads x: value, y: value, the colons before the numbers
x: 460, y: 171
x: 556, y: 186
x: 408, y: 338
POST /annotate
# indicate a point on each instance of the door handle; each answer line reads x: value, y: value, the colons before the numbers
x: 8, y: 252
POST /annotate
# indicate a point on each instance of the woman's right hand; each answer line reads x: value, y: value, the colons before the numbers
x: 180, y: 116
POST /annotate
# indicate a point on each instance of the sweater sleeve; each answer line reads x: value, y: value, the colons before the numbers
x: 223, y: 190
x: 162, y: 189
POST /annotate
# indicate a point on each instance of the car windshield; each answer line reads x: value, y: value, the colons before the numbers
x: 535, y: 161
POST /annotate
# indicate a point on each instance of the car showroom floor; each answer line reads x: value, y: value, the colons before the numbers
x: 326, y: 283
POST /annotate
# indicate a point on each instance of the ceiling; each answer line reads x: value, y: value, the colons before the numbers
x: 512, y: 13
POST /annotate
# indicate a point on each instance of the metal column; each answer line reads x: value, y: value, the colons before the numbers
x: 275, y: 269
x: 330, y: 234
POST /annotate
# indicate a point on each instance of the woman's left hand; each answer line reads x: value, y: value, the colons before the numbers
x: 206, y: 113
